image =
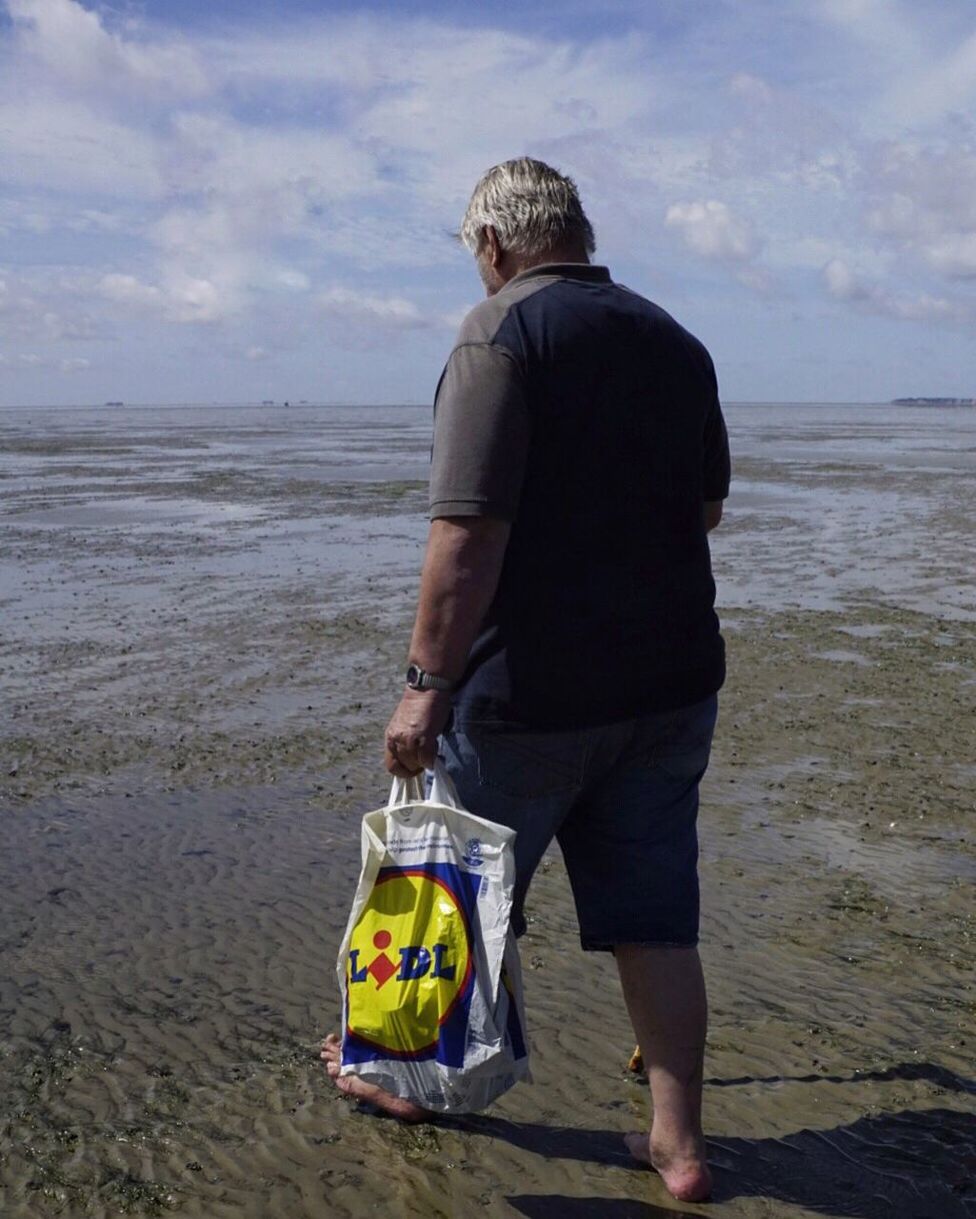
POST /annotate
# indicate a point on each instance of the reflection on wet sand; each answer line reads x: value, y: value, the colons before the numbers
x: 204, y: 617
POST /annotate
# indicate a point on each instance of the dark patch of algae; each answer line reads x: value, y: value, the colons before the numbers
x: 416, y: 1143
x: 40, y: 1147
x: 75, y: 1169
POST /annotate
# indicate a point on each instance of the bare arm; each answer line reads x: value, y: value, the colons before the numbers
x: 461, y: 569
x: 713, y: 514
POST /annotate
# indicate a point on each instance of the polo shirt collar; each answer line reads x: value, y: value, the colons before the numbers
x: 563, y: 270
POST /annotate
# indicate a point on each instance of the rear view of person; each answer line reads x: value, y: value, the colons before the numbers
x: 566, y: 654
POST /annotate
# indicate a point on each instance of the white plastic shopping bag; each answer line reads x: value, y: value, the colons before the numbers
x: 428, y: 967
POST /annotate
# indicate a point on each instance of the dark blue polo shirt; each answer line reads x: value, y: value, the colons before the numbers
x: 586, y: 416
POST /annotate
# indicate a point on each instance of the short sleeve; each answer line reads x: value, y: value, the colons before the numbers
x: 717, y: 467
x: 481, y: 434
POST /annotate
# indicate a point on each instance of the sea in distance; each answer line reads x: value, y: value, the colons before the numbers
x: 204, y: 615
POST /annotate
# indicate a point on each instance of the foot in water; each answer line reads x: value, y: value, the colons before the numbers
x: 359, y: 1089
x: 686, y: 1177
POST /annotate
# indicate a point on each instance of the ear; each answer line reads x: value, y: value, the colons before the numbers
x: 495, y: 251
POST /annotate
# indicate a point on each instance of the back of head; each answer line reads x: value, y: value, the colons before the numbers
x: 533, y: 209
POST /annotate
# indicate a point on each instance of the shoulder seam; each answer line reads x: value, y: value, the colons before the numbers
x: 510, y: 306
x: 490, y: 344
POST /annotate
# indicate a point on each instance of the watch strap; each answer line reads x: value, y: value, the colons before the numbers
x: 420, y: 679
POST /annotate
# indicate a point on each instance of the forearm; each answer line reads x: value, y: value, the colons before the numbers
x: 460, y: 575
x: 461, y: 569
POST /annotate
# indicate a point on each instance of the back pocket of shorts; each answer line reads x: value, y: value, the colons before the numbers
x: 525, y: 764
x: 685, y: 746
x: 685, y: 764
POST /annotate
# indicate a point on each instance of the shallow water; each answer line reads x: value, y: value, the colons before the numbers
x: 867, y: 502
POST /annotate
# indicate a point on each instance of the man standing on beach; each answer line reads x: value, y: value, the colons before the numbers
x: 566, y: 654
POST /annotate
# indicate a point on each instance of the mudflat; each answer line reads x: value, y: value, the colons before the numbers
x: 204, y: 619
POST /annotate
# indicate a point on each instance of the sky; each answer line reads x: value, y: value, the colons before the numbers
x: 238, y: 201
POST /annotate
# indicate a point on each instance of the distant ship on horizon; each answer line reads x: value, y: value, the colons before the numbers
x: 933, y: 401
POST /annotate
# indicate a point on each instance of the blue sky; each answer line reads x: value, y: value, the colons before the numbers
x: 238, y: 201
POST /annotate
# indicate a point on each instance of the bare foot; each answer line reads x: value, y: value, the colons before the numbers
x: 352, y: 1085
x: 687, y: 1177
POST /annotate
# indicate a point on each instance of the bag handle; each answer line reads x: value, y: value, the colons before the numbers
x: 442, y: 789
x: 407, y: 791
x: 413, y: 790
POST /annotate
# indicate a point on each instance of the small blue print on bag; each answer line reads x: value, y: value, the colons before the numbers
x: 472, y: 853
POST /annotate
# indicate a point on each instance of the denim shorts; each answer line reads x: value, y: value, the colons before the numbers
x: 620, y: 799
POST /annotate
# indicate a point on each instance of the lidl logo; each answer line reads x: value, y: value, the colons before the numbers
x: 415, y: 962
x: 410, y: 966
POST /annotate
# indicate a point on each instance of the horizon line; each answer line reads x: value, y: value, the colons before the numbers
x: 289, y: 404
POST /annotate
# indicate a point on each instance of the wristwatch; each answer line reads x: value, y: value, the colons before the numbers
x: 420, y: 679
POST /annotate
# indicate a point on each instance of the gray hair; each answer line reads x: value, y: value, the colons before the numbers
x: 531, y: 206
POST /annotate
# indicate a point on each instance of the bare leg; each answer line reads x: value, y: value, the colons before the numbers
x: 359, y: 1089
x: 664, y: 990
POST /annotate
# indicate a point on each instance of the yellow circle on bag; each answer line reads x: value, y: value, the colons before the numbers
x: 409, y: 962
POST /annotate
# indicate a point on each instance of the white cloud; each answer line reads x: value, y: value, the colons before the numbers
x: 879, y: 23
x: 842, y: 283
x: 439, y: 79
x: 392, y: 312
x: 21, y: 307
x: 923, y: 201
x: 924, y: 307
x: 953, y: 255
x: 127, y: 290
x: 284, y: 169
x: 191, y: 299
x: 751, y: 88
x: 713, y: 231
x: 79, y: 325
x: 51, y: 143
x: 758, y: 279
x: 32, y: 360
x: 180, y: 297
x: 247, y: 190
x: 40, y: 213
x: 422, y: 109
x: 292, y: 280
x: 928, y: 94
x: 71, y: 42
x: 845, y: 284
x: 813, y: 251
x: 775, y: 136
x: 94, y: 220
x: 272, y: 183
x: 453, y: 318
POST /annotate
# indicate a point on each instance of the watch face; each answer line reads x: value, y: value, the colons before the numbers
x: 413, y: 676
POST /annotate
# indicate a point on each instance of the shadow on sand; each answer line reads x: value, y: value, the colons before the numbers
x: 912, y: 1164
x: 560, y: 1206
x: 942, y: 1077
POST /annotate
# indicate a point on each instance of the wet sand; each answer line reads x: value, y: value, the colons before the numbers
x: 204, y: 614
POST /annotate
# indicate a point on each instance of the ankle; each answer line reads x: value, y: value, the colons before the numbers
x: 676, y: 1140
